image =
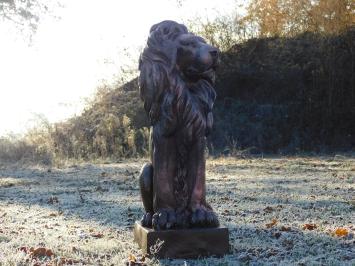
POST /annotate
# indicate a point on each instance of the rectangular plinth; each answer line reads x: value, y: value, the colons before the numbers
x: 183, y: 243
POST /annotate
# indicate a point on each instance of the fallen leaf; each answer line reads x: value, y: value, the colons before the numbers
x: 24, y: 249
x: 134, y: 261
x: 37, y: 252
x: 309, y: 226
x: 285, y: 228
x: 269, y: 209
x: 97, y: 235
x: 132, y: 258
x: 103, y: 174
x: 41, y: 252
x: 341, y: 232
x: 273, y: 222
x: 64, y: 261
x: 226, y: 212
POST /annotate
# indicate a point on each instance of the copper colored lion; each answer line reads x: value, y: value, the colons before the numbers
x: 177, y: 73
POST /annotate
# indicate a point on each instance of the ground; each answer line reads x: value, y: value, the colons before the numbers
x: 280, y: 211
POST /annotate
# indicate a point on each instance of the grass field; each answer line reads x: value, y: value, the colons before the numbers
x: 280, y: 211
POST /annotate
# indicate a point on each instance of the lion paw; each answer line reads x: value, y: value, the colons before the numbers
x: 146, y: 220
x: 164, y: 219
x: 204, y: 218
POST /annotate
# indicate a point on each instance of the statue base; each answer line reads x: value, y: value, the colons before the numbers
x: 182, y: 243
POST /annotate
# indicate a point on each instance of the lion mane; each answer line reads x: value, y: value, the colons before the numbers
x: 175, y: 105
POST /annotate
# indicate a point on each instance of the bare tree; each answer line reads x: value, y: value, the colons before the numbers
x: 26, y: 14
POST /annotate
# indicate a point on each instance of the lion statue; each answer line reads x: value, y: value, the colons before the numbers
x: 177, y: 74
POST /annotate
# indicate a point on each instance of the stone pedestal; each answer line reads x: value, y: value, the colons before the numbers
x: 183, y: 243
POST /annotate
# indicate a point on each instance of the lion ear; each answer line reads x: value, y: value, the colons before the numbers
x: 170, y: 51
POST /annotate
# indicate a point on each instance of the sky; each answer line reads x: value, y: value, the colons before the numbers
x: 71, y: 56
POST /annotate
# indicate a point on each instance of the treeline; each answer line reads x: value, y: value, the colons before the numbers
x: 288, y: 95
x: 285, y: 85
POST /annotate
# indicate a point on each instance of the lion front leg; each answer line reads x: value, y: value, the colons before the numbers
x: 202, y: 214
x: 146, y: 189
x: 164, y: 158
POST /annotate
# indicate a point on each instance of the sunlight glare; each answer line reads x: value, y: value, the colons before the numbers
x: 71, y: 56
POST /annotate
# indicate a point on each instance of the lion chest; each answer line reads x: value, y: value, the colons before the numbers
x: 194, y: 112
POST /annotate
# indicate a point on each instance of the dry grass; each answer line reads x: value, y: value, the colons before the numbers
x: 85, y: 212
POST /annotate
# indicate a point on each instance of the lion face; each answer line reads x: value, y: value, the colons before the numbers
x: 195, y: 58
x: 177, y: 70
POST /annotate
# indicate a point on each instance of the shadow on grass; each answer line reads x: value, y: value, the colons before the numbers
x: 108, y: 195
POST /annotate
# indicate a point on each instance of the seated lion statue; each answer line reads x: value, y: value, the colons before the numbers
x: 177, y: 74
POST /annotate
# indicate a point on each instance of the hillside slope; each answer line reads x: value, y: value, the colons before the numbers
x: 279, y: 95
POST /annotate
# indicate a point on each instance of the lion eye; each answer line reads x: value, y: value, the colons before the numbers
x: 189, y: 44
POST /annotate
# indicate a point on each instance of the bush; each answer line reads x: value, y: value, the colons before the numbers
x: 293, y: 93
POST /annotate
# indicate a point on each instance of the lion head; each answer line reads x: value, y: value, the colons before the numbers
x: 195, y: 58
x: 177, y: 74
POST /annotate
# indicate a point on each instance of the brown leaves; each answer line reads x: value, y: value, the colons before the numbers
x: 132, y: 258
x: 273, y: 222
x: 285, y: 228
x: 37, y: 252
x: 55, y: 214
x: 340, y: 232
x: 309, y: 226
x: 64, y: 261
x: 97, y: 235
x: 134, y: 261
x: 269, y: 209
x: 225, y: 198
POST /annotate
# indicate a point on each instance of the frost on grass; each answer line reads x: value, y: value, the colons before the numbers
x: 279, y: 211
